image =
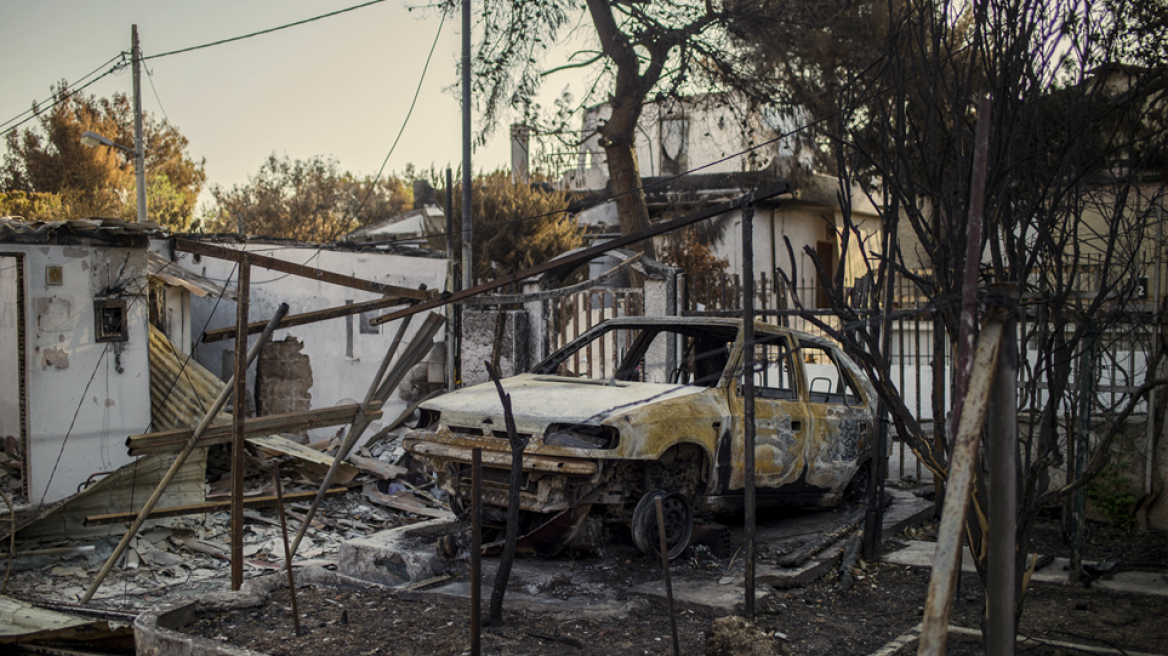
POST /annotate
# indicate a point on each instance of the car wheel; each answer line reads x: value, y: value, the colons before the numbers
x: 679, y: 518
x: 857, y: 489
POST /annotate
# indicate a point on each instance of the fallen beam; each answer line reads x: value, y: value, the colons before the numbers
x: 200, y: 508
x: 220, y: 433
x: 220, y: 334
x: 211, y: 250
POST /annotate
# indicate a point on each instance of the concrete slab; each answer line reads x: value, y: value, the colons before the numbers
x: 917, y: 553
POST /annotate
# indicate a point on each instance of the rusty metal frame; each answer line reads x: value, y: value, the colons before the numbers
x: 211, y: 250
x: 220, y: 334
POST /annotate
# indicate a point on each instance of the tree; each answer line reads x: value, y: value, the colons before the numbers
x: 516, y: 225
x: 50, y: 159
x: 645, y: 50
x: 1075, y: 174
x: 309, y: 200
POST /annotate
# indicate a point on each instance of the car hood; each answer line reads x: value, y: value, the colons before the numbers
x: 545, y: 399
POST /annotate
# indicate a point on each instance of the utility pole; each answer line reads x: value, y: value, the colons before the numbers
x: 467, y: 232
x: 139, y: 146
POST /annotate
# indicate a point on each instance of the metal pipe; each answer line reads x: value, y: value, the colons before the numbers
x: 212, y: 412
x: 360, y: 422
x: 748, y: 396
x: 467, y: 231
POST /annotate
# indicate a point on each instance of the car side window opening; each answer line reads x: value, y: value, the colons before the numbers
x: 827, y: 381
x: 774, y: 373
x: 643, y: 354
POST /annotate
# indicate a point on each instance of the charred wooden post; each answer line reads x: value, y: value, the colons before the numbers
x: 495, y: 616
x: 287, y: 550
x: 476, y: 549
x: 748, y: 396
x: 665, y: 571
x: 238, y: 409
x: 212, y: 412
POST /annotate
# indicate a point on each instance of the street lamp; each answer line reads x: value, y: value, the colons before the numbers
x: 92, y: 139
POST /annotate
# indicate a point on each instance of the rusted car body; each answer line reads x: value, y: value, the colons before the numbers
x: 662, y: 415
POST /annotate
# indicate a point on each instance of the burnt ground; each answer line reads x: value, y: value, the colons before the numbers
x: 885, y: 603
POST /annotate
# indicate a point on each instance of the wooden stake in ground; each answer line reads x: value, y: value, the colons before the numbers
x: 665, y: 570
x: 495, y: 618
x: 287, y: 550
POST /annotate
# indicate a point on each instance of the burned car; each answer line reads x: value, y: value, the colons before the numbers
x: 642, y: 408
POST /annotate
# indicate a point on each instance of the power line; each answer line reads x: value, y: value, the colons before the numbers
x: 36, y: 107
x: 267, y: 31
x: 65, y: 96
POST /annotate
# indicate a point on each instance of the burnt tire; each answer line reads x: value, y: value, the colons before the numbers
x: 679, y: 523
x: 857, y: 490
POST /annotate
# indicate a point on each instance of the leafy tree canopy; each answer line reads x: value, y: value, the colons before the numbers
x: 310, y: 200
x: 643, y: 50
x: 515, y: 225
x: 50, y: 159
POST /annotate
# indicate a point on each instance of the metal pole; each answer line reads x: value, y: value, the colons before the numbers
x: 287, y: 550
x: 748, y: 396
x: 212, y: 412
x: 453, y: 323
x: 1002, y: 451
x: 238, y: 410
x: 476, y: 550
x: 665, y: 571
x: 139, y: 144
x: 467, y: 232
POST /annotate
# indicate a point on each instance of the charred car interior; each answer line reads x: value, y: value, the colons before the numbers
x: 660, y: 416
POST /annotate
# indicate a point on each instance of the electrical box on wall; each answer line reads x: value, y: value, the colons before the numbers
x: 111, y: 319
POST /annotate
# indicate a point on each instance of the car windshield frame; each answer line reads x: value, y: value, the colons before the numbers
x: 647, y: 334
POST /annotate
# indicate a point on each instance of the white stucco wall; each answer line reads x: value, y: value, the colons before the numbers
x: 84, y: 397
x: 336, y: 376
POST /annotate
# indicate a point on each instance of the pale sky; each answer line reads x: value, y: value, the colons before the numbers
x: 339, y: 87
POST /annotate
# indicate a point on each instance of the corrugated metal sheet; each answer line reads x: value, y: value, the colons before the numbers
x: 181, y: 389
x: 14, y: 228
x: 173, y: 274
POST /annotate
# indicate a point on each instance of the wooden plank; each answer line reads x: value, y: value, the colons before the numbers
x: 200, y: 508
x: 382, y: 470
x: 303, y: 318
x: 220, y: 433
x: 201, y: 248
x: 318, y: 462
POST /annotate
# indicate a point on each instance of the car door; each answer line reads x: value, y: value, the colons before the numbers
x: 781, y: 422
x: 839, y: 416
